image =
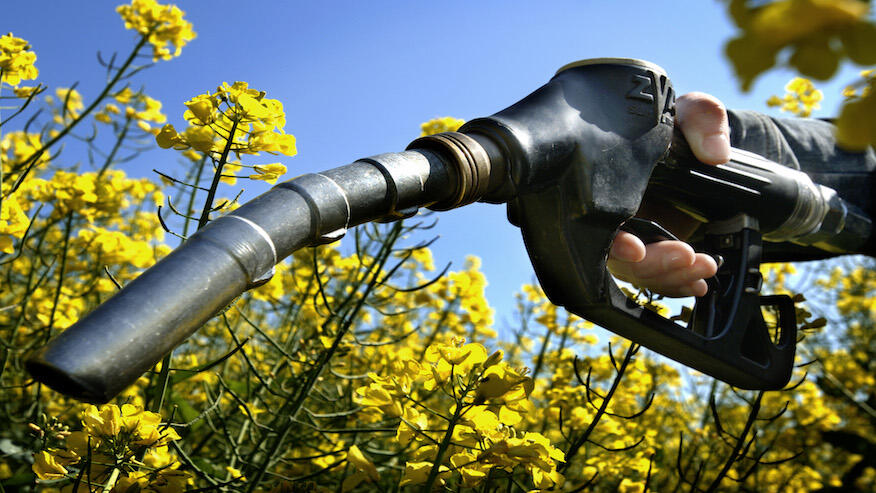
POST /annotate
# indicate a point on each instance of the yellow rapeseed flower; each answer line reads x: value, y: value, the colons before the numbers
x: 268, y: 172
x: 458, y: 353
x: 162, y: 24
x: 104, y: 422
x: 418, y: 473
x: 362, y: 463
x: 168, y: 137
x: 256, y: 120
x: 199, y: 138
x: 151, y: 111
x: 203, y: 107
x: 13, y: 223
x: 124, y: 96
x: 25, y: 92
x: 16, y: 61
x: 801, y: 98
x: 46, y: 466
x: 71, y: 99
x: 500, y: 380
x: 235, y: 473
x: 438, y: 125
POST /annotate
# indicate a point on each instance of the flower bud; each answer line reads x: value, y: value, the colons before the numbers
x: 493, y: 358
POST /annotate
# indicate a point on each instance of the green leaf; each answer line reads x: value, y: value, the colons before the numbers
x: 237, y: 386
x: 20, y: 478
x: 750, y: 58
x: 187, y: 412
x: 208, y: 466
x: 859, y: 42
x: 815, y: 58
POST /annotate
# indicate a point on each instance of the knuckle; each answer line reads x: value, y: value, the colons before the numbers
x: 701, y: 105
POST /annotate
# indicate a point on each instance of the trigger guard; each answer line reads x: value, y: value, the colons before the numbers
x: 647, y: 231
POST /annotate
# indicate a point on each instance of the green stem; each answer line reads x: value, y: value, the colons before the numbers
x: 108, y: 486
x: 286, y: 415
x: 545, y: 342
x: 576, y: 445
x: 190, y: 206
x: 67, y: 231
x: 160, y: 389
x: 734, y: 455
x: 115, y: 150
x: 208, y: 205
x: 445, y: 443
x: 29, y: 289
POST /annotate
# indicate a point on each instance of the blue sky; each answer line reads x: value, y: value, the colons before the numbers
x: 357, y: 78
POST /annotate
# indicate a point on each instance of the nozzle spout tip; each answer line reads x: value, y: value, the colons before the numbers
x: 65, y: 383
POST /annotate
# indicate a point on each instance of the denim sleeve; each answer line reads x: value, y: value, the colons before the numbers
x: 810, y: 146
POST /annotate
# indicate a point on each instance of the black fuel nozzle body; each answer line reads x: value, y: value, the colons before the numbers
x: 581, y: 152
x: 573, y: 160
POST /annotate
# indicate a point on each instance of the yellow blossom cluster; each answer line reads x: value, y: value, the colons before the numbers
x: 138, y: 108
x: 162, y: 25
x: 801, y: 98
x: 13, y: 223
x: 235, y: 118
x: 66, y: 105
x: 268, y: 172
x: 91, y: 194
x: 489, y: 398
x: 16, y: 60
x: 15, y: 147
x: 814, y: 37
x: 432, y: 409
x: 115, y: 247
x: 112, y: 438
x: 100, y: 237
x: 438, y: 125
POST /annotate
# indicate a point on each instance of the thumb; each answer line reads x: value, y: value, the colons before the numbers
x: 703, y: 121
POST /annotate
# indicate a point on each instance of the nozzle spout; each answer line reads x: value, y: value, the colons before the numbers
x: 109, y: 349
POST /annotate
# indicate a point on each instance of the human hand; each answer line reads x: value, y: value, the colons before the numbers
x: 672, y: 268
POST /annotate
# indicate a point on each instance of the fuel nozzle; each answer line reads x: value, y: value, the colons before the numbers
x: 107, y: 350
x: 573, y: 160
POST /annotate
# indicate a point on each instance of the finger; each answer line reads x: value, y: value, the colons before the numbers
x: 696, y: 288
x: 627, y: 248
x: 665, y: 273
x: 660, y: 257
x: 663, y: 257
x: 703, y: 267
x: 703, y: 121
x: 685, y: 282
